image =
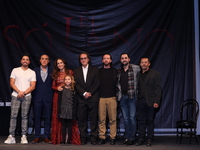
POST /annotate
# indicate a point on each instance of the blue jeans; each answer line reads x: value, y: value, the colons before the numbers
x: 128, y: 107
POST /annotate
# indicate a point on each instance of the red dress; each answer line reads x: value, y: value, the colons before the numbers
x: 56, y: 135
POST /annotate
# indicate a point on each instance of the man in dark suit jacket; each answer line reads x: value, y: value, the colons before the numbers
x: 42, y: 99
x: 149, y: 95
x: 87, y: 84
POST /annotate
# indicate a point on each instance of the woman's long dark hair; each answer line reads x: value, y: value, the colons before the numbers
x: 56, y: 70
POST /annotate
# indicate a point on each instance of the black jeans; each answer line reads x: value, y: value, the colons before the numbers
x: 145, y: 118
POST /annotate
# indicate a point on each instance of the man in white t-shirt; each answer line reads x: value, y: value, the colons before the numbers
x: 22, y: 81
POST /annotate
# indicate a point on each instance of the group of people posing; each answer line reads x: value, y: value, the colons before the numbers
x: 72, y: 100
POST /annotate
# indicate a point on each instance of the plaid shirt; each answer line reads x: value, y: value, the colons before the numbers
x: 132, y: 81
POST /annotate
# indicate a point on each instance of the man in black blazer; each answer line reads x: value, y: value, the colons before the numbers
x: 42, y: 99
x: 87, y: 84
x: 149, y: 95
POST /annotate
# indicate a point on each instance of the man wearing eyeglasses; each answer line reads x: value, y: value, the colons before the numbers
x: 87, y: 84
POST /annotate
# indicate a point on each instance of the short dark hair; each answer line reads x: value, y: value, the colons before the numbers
x: 26, y: 54
x: 110, y: 57
x: 48, y: 57
x: 107, y: 54
x: 145, y: 58
x: 44, y: 54
x: 124, y: 54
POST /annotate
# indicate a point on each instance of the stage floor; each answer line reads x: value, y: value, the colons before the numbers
x: 160, y: 143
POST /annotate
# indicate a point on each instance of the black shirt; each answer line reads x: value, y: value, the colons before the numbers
x: 124, y: 81
x: 141, y: 84
x: 107, y: 82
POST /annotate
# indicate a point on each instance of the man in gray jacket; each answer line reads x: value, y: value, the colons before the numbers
x: 126, y: 95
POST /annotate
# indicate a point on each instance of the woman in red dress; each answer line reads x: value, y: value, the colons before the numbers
x: 59, y: 71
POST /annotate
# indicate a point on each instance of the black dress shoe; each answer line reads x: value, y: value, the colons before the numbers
x: 62, y: 142
x: 124, y: 142
x: 139, y: 143
x: 101, y: 141
x: 112, y: 142
x: 83, y: 141
x: 93, y: 142
x: 148, y: 143
x: 130, y: 142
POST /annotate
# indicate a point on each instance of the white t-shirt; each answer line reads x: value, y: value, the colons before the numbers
x: 23, y: 79
x: 85, y: 70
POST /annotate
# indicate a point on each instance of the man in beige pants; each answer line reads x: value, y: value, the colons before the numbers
x: 107, y: 102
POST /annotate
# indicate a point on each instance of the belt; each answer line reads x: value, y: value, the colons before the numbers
x: 125, y: 93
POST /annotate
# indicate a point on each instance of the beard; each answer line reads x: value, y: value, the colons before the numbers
x: 25, y: 65
x: 144, y: 68
x: 125, y: 64
x: 106, y: 64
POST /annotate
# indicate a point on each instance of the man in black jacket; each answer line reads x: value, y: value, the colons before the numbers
x: 149, y: 95
x: 87, y: 84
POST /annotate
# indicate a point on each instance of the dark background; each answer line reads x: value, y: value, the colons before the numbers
x: 159, y: 29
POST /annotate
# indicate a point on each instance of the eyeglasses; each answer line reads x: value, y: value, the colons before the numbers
x: 83, y: 58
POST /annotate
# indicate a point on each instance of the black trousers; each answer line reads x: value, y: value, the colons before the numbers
x: 146, y: 115
x: 88, y: 112
x: 66, y: 123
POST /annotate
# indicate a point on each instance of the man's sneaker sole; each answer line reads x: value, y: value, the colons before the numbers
x: 10, y: 143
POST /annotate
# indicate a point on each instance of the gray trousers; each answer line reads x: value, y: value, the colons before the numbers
x: 15, y: 106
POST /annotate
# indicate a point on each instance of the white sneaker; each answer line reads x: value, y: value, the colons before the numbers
x: 24, y: 139
x: 10, y: 140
